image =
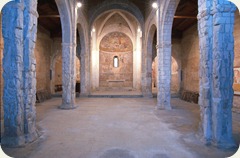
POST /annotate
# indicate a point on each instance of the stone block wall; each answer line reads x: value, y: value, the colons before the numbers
x: 43, y: 51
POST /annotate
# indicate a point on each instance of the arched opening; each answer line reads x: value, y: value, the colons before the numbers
x: 175, y: 85
x: 118, y: 33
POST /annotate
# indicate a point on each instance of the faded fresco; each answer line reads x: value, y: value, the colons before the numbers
x: 118, y: 45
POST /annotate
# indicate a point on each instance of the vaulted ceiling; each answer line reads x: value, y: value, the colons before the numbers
x: 185, y: 15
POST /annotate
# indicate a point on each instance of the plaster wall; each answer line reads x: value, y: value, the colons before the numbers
x: 176, y: 65
x: 58, y: 70
x: 190, y: 60
x: 43, y: 51
x: 236, y: 84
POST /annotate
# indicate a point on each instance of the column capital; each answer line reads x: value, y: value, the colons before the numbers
x: 204, y: 14
x: 163, y: 45
x: 33, y: 12
x: 64, y: 44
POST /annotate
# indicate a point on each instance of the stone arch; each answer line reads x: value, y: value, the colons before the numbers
x: 116, y: 45
x: 83, y: 32
x: 123, y: 16
x: 83, y: 55
x: 166, y: 10
x: 66, y: 21
x: 68, y: 16
x: 119, y: 5
x: 148, y: 59
x: 131, y: 27
x: 115, y: 29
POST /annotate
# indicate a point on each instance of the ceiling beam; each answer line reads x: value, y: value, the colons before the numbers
x: 49, y: 16
x: 184, y: 17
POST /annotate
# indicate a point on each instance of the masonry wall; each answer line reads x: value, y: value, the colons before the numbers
x: 190, y: 60
x: 43, y: 51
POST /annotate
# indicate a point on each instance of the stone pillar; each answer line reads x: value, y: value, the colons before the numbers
x: 68, y: 76
x: 205, y: 43
x: 83, y: 75
x: 19, y: 35
x: 164, y: 65
x: 1, y: 70
x: 29, y: 71
x: 147, y: 75
x: 216, y: 23
x: 164, y: 76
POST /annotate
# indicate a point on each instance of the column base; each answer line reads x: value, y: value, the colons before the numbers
x: 19, y: 141
x: 67, y: 107
x: 162, y: 107
x: 84, y: 95
x: 147, y: 95
x: 13, y: 142
x: 225, y: 144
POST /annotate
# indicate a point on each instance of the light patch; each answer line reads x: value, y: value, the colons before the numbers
x: 2, y: 3
x: 236, y: 2
x: 237, y: 154
x: 2, y: 154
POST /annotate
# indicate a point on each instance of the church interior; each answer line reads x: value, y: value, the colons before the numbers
x: 120, y: 78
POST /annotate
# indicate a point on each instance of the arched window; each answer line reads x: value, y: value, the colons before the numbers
x: 115, y: 61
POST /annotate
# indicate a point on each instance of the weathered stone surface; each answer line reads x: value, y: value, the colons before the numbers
x: 19, y: 73
x: 216, y: 72
x: 164, y: 45
x: 67, y: 76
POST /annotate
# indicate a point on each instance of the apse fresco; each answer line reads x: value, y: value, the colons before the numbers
x: 117, y: 45
x: 116, y: 42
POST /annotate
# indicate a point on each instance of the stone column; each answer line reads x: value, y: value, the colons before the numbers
x: 164, y: 65
x: 164, y: 76
x: 29, y: 71
x: 205, y: 72
x: 216, y: 23
x: 68, y: 95
x: 19, y: 35
x: 1, y: 70
x: 147, y: 75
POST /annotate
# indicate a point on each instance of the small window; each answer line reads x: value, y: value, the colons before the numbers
x: 115, y: 61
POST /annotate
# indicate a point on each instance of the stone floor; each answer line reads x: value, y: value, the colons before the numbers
x: 120, y: 128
